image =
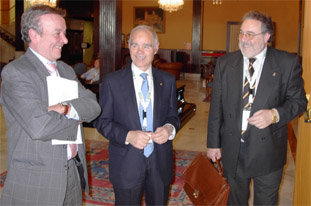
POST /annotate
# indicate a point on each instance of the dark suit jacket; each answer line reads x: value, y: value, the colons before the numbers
x: 37, y: 170
x: 120, y: 115
x: 280, y: 87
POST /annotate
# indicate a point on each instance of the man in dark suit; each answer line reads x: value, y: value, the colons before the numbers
x: 39, y: 172
x: 140, y: 127
x: 256, y: 92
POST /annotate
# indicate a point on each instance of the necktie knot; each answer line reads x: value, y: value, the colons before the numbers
x: 252, y: 60
x: 251, y: 67
x: 144, y: 76
x: 51, y: 66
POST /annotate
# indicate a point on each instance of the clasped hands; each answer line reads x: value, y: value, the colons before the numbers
x: 140, y: 139
x: 59, y: 108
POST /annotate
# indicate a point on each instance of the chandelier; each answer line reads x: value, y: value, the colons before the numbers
x: 171, y: 5
x: 217, y: 2
x: 51, y: 3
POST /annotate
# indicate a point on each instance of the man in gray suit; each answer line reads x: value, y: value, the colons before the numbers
x: 40, y: 173
x: 257, y: 90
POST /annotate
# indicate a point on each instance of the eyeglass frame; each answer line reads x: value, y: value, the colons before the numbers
x: 249, y: 35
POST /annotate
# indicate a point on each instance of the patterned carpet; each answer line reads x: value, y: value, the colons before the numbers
x: 101, y: 189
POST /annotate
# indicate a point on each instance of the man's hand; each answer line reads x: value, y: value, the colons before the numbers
x: 59, y: 108
x: 214, y: 154
x: 261, y: 119
x: 138, y: 139
x: 161, y: 134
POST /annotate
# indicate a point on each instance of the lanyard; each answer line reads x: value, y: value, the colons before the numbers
x: 143, y: 102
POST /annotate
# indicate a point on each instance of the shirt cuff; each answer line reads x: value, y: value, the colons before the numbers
x: 73, y: 114
x: 172, y: 136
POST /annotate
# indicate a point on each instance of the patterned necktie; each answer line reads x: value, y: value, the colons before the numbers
x: 144, y: 89
x: 247, y: 89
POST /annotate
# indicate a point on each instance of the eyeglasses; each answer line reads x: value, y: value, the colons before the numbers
x: 145, y: 47
x: 249, y: 35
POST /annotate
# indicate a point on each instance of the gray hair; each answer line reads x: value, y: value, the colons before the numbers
x: 266, y: 21
x: 31, y: 19
x: 148, y: 28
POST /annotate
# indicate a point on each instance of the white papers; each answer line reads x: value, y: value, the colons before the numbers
x: 61, y: 90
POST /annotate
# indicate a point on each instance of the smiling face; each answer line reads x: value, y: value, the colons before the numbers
x: 252, y: 40
x: 49, y: 44
x: 142, y: 49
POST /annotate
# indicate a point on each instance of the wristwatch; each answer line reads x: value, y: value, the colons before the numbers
x: 64, y: 104
x: 274, y: 116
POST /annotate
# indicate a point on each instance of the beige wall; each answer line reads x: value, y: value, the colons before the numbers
x: 283, y: 13
x: 178, y: 25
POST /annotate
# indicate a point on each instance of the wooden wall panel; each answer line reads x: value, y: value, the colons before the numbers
x: 302, y: 192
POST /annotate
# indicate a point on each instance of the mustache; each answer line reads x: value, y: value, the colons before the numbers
x: 245, y: 44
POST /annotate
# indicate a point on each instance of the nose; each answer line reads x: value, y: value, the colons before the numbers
x: 140, y: 49
x: 64, y: 39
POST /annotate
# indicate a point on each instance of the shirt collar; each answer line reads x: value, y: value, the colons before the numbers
x: 138, y: 71
x: 41, y: 58
x: 259, y: 56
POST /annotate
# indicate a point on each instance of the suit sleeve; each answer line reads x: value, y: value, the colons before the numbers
x: 24, y: 96
x: 294, y: 102
x: 105, y: 124
x: 172, y: 116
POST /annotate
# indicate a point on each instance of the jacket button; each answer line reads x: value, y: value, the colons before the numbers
x: 66, y: 167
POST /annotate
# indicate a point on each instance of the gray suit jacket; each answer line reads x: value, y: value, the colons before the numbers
x: 37, y: 170
x: 280, y: 87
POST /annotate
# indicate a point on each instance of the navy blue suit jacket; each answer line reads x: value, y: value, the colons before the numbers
x: 120, y: 115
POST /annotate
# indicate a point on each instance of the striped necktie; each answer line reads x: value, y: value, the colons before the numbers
x: 248, y: 90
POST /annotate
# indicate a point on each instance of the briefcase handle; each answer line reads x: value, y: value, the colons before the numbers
x: 218, y: 166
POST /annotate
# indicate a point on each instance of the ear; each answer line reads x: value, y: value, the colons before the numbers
x: 33, y: 35
x: 156, y: 48
x: 267, y: 37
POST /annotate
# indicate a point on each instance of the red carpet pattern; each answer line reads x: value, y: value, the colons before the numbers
x: 101, y: 192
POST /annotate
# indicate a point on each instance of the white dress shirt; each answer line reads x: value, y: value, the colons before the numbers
x: 137, y: 84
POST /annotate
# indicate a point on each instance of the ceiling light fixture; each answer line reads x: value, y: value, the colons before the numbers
x: 51, y: 3
x: 171, y: 5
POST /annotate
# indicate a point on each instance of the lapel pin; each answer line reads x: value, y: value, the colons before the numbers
x: 274, y: 74
x: 161, y: 84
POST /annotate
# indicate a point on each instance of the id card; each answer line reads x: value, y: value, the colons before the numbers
x: 245, y: 116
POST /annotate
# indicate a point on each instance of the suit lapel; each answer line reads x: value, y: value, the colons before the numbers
x: 235, y: 81
x: 127, y: 88
x: 41, y: 71
x: 157, y: 88
x: 270, y: 72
